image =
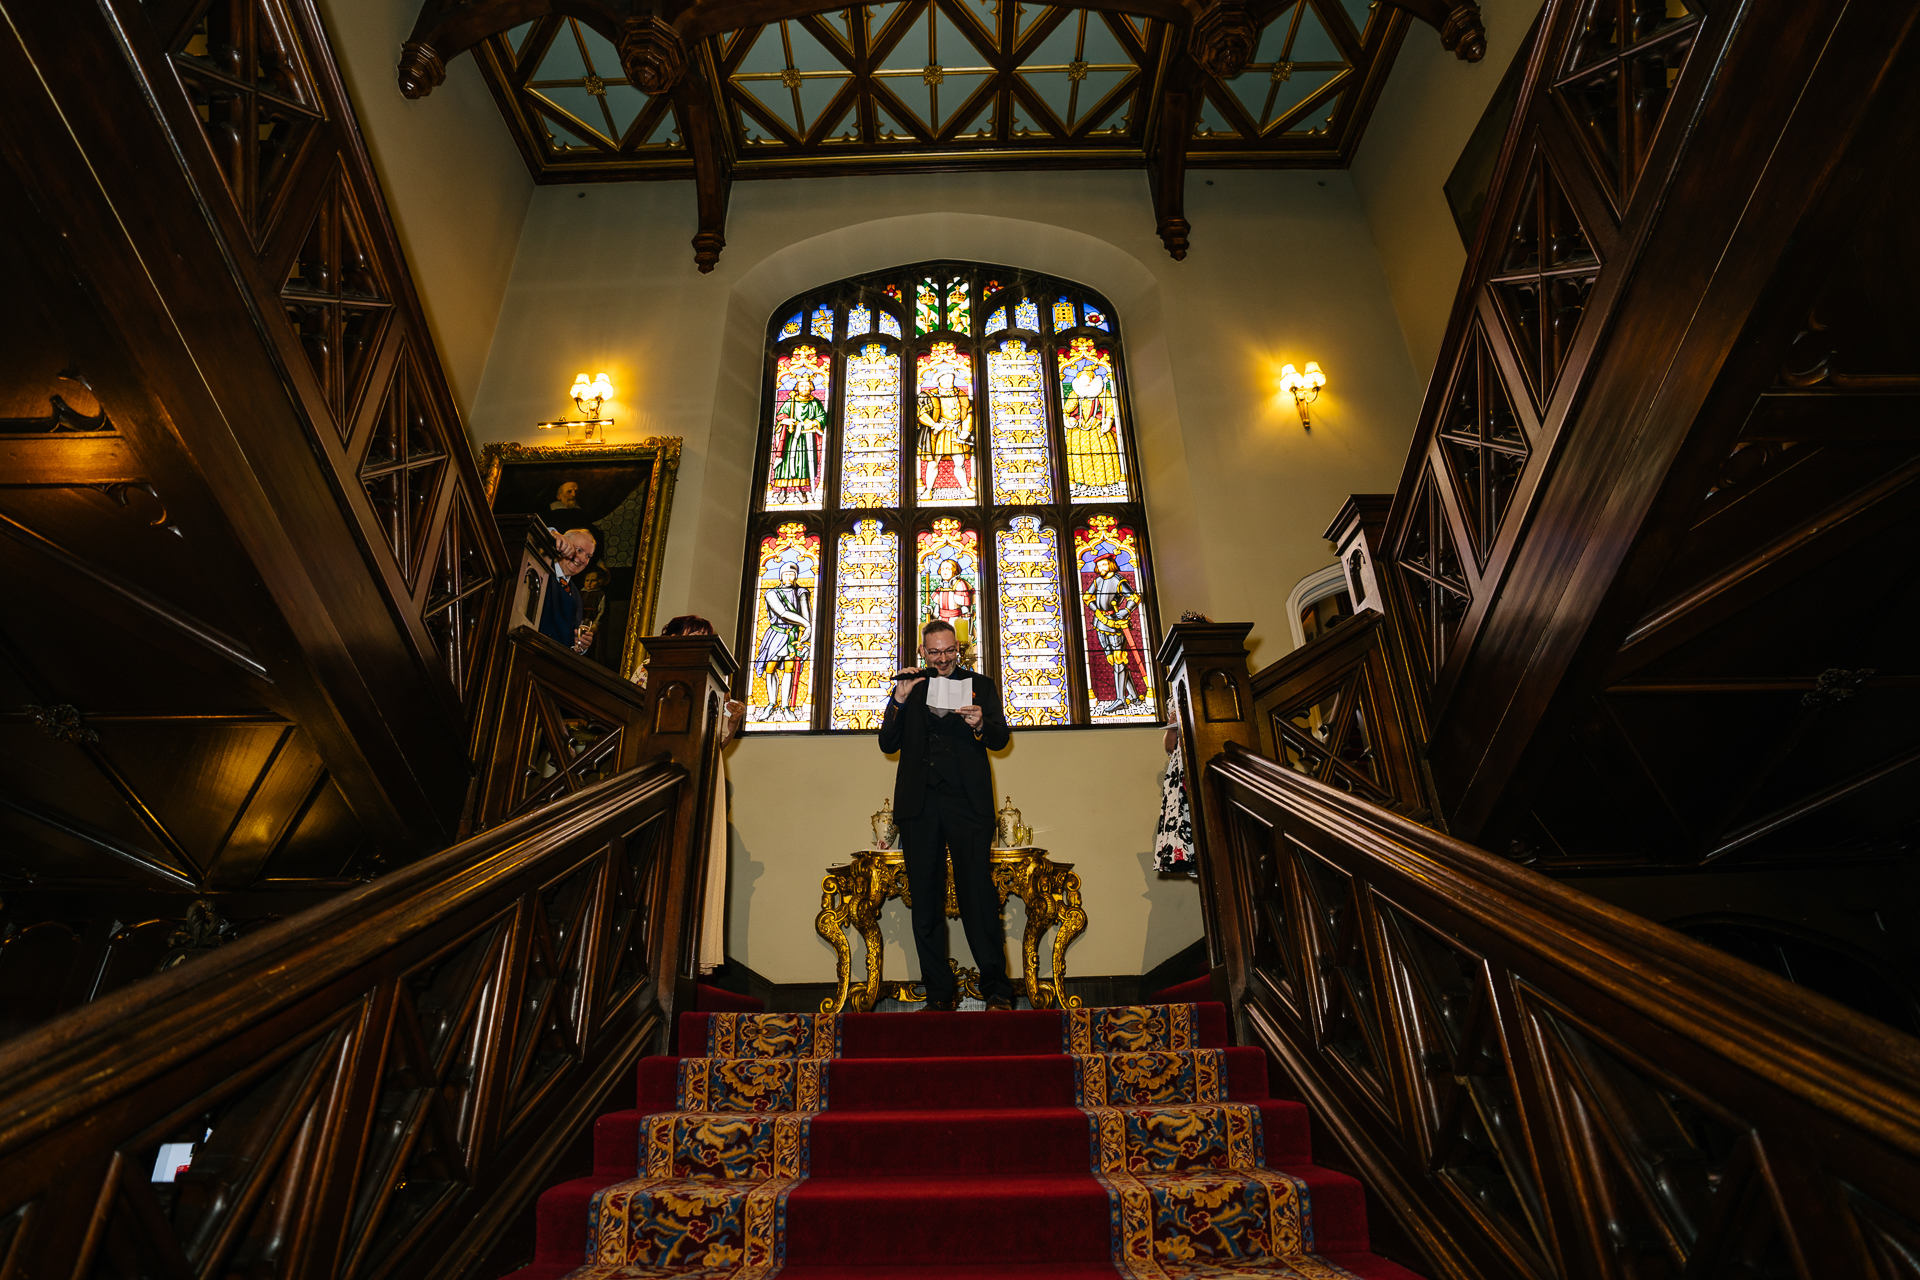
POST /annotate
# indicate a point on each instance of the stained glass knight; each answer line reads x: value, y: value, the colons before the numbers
x: 1113, y: 600
x: 783, y: 646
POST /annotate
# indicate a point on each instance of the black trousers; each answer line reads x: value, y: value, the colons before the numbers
x: 948, y: 823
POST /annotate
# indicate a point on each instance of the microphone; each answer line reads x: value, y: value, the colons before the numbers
x: 914, y: 674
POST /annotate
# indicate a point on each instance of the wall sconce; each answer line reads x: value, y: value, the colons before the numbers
x: 588, y: 395
x: 1304, y: 386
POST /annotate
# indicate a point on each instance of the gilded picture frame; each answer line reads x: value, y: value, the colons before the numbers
x: 623, y: 492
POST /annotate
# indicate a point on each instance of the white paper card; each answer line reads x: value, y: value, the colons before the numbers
x: 948, y: 695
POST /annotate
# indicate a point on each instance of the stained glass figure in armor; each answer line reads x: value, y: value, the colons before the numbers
x: 784, y: 644
x: 1113, y: 602
x: 1089, y: 412
x: 944, y: 447
x: 1119, y: 684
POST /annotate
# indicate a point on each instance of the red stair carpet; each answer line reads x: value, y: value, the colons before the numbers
x: 958, y: 1146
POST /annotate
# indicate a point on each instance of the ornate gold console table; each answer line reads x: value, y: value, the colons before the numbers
x: 854, y: 894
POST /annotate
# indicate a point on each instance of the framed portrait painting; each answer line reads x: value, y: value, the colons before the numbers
x: 623, y: 495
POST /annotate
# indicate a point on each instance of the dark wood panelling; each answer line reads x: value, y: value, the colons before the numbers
x: 237, y: 500
x: 1539, y: 1085
x: 370, y: 1089
x: 1660, y: 482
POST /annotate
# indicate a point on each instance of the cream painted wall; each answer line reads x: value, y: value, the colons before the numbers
x: 455, y: 183
x: 1423, y: 119
x: 1091, y: 797
x: 1237, y: 492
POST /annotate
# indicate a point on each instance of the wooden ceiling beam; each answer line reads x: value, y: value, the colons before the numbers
x: 697, y: 100
x: 1458, y: 23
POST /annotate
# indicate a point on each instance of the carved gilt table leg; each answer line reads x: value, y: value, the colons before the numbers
x: 1040, y: 917
x: 1073, y: 918
x: 873, y: 889
x: 831, y: 924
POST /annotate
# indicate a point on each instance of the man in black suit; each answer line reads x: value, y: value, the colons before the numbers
x: 943, y: 801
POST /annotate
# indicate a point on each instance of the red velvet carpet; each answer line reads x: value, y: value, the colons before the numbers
x: 957, y: 1145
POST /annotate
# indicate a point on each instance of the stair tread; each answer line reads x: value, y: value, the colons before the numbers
x: 962, y: 1128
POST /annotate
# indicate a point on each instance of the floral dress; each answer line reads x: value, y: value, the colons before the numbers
x: 1173, y: 840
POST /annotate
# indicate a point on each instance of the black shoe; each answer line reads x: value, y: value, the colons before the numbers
x: 941, y: 1006
x: 999, y: 1002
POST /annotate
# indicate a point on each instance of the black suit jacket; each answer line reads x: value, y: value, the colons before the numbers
x: 908, y: 727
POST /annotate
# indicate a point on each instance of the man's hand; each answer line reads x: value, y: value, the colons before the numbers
x: 972, y: 714
x: 582, y: 638
x: 902, y: 688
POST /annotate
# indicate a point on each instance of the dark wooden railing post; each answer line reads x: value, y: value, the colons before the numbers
x: 687, y: 679
x: 1211, y: 693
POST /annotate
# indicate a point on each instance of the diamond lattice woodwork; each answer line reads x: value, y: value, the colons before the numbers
x: 459, y: 594
x: 244, y: 71
x: 401, y: 467
x: 1485, y: 445
x: 338, y: 302
x: 1546, y: 271
x: 1546, y: 1086
x: 346, y: 1101
x: 1431, y: 576
x: 1617, y: 77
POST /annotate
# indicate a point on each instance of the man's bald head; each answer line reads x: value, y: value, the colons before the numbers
x: 576, y: 550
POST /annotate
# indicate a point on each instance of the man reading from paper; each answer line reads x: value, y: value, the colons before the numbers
x: 943, y: 721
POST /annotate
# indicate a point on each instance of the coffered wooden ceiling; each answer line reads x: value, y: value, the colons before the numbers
x: 929, y: 85
x: 713, y: 90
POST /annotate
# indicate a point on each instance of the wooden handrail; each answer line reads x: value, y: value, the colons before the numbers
x: 1543, y: 1085
x: 372, y: 1083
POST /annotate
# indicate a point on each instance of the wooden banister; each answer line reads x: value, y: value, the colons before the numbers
x: 371, y: 1086
x: 1542, y: 1085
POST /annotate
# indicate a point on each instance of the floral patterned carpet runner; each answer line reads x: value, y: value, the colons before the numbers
x: 1182, y: 1164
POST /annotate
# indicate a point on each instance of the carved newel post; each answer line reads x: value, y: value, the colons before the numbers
x: 687, y: 679
x: 1211, y: 693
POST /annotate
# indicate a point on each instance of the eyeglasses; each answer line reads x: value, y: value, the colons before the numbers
x: 943, y: 653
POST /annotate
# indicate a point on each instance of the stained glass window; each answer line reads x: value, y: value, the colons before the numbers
x: 926, y: 315
x: 780, y: 692
x: 866, y: 624
x: 1113, y: 588
x: 914, y: 467
x: 1033, y: 631
x: 1090, y: 416
x: 959, y: 317
x: 948, y: 565
x: 943, y: 453
x: 1016, y: 396
x: 802, y: 391
x: 870, y: 464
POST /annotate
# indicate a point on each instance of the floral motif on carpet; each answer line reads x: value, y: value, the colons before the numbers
x: 1130, y: 1028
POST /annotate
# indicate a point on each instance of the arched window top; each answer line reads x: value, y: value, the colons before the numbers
x: 947, y: 440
